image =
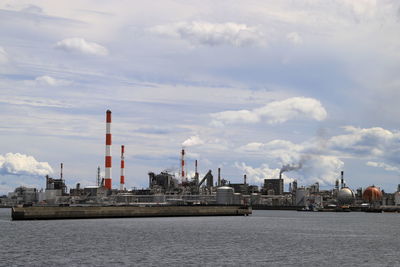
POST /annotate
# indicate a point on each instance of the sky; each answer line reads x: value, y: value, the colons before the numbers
x: 247, y: 86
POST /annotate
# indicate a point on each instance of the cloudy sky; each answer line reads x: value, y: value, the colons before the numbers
x: 248, y: 86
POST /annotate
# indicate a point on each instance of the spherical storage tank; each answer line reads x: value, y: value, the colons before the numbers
x: 372, y: 194
x: 225, y: 195
x: 345, y: 196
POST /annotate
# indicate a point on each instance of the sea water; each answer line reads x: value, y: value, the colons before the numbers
x: 266, y: 238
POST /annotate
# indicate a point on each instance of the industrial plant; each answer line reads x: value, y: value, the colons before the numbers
x: 168, y: 189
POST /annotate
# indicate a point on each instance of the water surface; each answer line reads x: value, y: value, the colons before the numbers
x: 267, y: 238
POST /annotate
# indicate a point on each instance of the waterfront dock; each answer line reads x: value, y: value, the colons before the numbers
x: 86, y: 212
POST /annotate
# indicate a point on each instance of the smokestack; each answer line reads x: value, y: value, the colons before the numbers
x: 219, y: 176
x: 108, y: 159
x: 280, y: 175
x: 341, y: 180
x: 245, y: 179
x: 183, y: 173
x: 98, y: 176
x: 196, y: 174
x: 122, y: 179
x: 61, y: 172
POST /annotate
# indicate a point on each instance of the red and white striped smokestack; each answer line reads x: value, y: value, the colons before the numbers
x: 108, y: 160
x: 122, y: 180
x: 183, y: 173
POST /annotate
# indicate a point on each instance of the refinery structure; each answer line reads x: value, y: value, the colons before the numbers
x: 166, y: 188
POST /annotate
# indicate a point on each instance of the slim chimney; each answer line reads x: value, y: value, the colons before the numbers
x: 196, y: 173
x: 219, y: 176
x: 61, y: 172
x: 98, y: 176
x: 122, y: 179
x: 245, y: 179
x: 341, y: 180
x: 183, y: 173
x: 108, y: 159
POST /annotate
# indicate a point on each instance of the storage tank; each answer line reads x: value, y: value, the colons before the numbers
x: 237, y: 198
x: 255, y: 198
x: 225, y: 195
x: 372, y: 194
x: 397, y: 198
x: 302, y: 195
x: 345, y: 196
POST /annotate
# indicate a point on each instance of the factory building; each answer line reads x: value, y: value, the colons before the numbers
x: 163, y: 182
x: 23, y: 195
x: 273, y: 186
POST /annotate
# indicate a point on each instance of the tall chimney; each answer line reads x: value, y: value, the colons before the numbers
x: 245, y: 179
x: 219, y: 176
x: 61, y: 172
x: 108, y: 159
x: 196, y: 173
x: 98, y: 176
x: 122, y: 179
x: 341, y: 180
x: 183, y: 173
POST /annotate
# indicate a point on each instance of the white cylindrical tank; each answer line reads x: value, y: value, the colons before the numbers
x: 225, y: 195
x: 301, y: 196
x: 237, y: 198
x: 397, y: 198
x: 255, y: 198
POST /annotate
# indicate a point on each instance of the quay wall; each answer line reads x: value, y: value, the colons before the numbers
x: 77, y: 212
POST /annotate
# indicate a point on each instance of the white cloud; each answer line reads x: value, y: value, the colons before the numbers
x: 206, y: 33
x: 366, y: 8
x: 295, y: 38
x: 275, y: 112
x: 383, y: 165
x: 310, y: 167
x: 32, y: 9
x: 193, y: 141
x: 35, y: 102
x: 374, y: 141
x: 80, y: 45
x: 380, y: 146
x: 257, y: 175
x: 20, y: 164
x: 50, y: 81
x: 252, y: 147
x: 3, y: 56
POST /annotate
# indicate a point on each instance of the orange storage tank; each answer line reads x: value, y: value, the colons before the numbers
x: 372, y: 194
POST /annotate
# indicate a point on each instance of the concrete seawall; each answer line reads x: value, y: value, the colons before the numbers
x: 75, y: 212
